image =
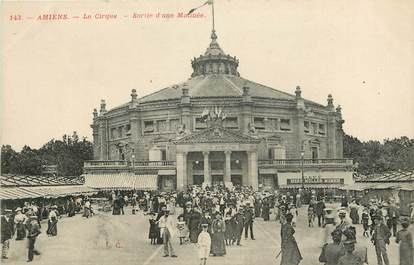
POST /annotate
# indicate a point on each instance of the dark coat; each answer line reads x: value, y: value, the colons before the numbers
x: 7, y: 228
x: 290, y: 250
x: 320, y: 205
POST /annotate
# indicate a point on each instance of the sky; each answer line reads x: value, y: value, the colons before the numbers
x: 55, y: 72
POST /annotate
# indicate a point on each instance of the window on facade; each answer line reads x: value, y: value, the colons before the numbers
x: 322, y: 129
x: 121, y: 132
x: 259, y: 123
x: 148, y: 126
x: 306, y: 126
x: 113, y: 133
x: 161, y: 126
x: 285, y: 125
x: 174, y: 125
x: 314, y: 128
x: 200, y: 124
x: 198, y: 165
x: 217, y: 165
x: 274, y: 124
x: 163, y: 155
x: 128, y: 129
x: 231, y: 123
x: 235, y: 164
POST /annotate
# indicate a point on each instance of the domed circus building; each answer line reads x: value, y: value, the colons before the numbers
x: 218, y: 128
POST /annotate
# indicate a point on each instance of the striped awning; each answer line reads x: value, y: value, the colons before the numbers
x: 311, y: 186
x: 15, y: 193
x: 121, y: 181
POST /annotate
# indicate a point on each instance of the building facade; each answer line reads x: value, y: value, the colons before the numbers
x: 220, y: 128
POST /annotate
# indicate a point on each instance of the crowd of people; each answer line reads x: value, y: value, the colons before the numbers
x: 215, y: 218
x: 25, y: 222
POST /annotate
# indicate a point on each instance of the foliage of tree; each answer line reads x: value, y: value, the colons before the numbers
x: 68, y: 154
x: 376, y: 157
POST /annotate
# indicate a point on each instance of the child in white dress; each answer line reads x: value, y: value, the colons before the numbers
x: 204, y: 244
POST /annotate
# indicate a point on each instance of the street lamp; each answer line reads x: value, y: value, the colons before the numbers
x: 302, y: 154
x: 133, y: 160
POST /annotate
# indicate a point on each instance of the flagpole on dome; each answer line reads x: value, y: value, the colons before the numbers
x: 211, y: 2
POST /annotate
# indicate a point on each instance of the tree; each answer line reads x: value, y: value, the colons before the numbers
x: 8, y: 159
x: 68, y: 154
x: 373, y: 156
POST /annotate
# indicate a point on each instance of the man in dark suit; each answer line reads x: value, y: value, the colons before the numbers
x: 393, y: 215
x: 320, y: 206
x: 381, y: 238
x: 248, y: 221
x: 7, y: 231
x: 34, y: 231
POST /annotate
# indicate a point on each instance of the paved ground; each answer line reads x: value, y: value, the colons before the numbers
x: 106, y: 239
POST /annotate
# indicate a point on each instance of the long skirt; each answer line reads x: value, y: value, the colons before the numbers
x: 218, y: 245
x: 21, y: 231
x: 52, y: 228
x: 291, y: 254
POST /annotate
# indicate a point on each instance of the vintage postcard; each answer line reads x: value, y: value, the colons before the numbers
x: 207, y: 132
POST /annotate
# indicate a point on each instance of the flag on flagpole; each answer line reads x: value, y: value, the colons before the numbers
x: 208, y: 2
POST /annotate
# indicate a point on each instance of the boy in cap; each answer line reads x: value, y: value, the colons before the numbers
x: 204, y: 244
x: 7, y: 231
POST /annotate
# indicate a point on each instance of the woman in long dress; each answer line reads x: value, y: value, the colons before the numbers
x: 290, y: 250
x: 405, y: 239
x: 194, y: 224
x: 20, y: 220
x: 218, y: 228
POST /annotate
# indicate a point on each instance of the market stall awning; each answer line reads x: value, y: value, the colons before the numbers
x: 121, y: 181
x: 14, y: 193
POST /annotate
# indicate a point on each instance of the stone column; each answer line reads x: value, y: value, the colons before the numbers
x: 207, y: 177
x: 253, y: 170
x: 181, y: 170
x: 227, y: 176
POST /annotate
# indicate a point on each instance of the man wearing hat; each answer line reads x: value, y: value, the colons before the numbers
x: 393, y: 217
x: 34, y: 232
x: 167, y: 226
x: 7, y: 231
x: 343, y: 223
x: 329, y: 225
x: 248, y: 220
x: 380, y: 238
x: 333, y: 251
x: 238, y: 219
x: 350, y: 258
x: 19, y: 221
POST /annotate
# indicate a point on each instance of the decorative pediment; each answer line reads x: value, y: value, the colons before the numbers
x: 160, y: 139
x: 275, y: 139
x: 217, y: 134
x: 314, y: 141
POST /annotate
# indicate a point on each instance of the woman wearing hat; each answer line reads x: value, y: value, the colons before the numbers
x: 218, y: 228
x: 20, y: 220
x: 290, y: 250
x: 52, y: 222
x: 405, y: 239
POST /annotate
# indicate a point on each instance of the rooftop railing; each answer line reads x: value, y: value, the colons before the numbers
x: 295, y: 162
x: 123, y: 163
